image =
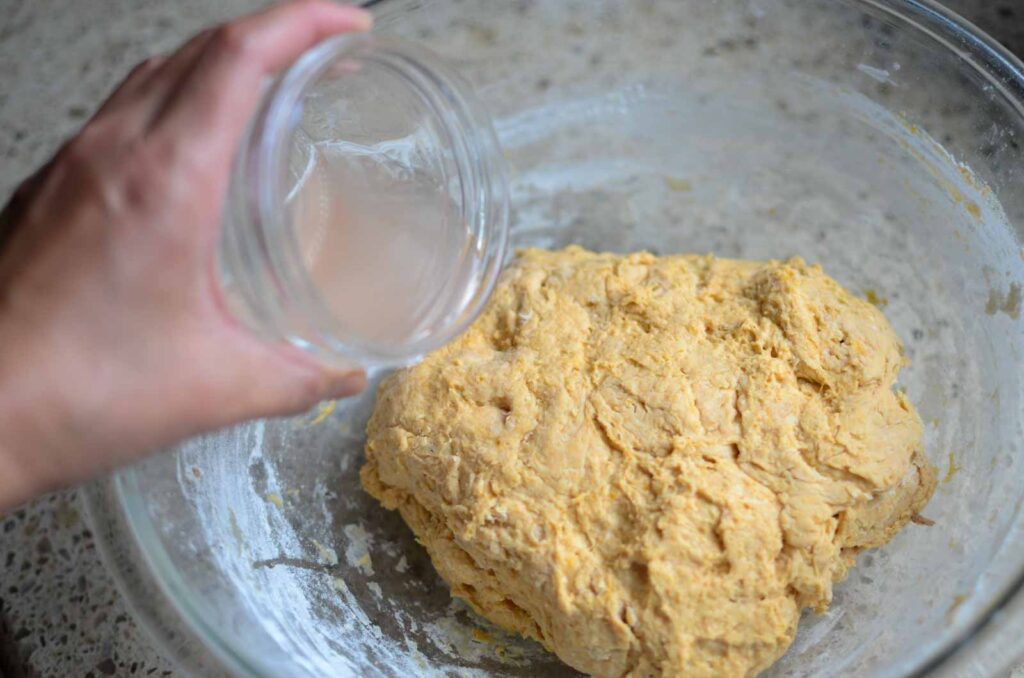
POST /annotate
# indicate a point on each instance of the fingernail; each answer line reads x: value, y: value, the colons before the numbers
x: 362, y: 20
x: 348, y: 384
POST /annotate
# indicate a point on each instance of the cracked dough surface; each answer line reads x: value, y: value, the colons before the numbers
x: 652, y: 465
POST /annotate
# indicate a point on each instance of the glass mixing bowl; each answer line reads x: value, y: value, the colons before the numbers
x: 880, y: 138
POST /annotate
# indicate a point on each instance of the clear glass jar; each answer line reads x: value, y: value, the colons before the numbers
x: 367, y: 217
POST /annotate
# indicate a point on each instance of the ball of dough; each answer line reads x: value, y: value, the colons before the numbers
x: 652, y: 465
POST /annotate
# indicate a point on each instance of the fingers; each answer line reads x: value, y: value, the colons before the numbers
x: 236, y: 55
x: 258, y: 379
x: 154, y: 93
x: 300, y: 382
x: 128, y: 91
x: 219, y: 98
x: 353, y: 383
x: 292, y: 391
x: 272, y: 39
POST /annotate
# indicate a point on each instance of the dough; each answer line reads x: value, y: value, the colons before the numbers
x: 652, y: 465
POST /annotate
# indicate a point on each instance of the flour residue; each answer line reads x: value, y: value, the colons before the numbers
x: 357, y: 551
x: 325, y: 554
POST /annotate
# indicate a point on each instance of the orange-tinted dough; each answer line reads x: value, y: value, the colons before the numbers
x: 652, y: 465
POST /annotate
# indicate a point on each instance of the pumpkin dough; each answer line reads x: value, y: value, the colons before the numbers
x: 652, y: 465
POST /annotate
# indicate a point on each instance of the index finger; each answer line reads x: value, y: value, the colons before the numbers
x: 214, y: 105
x: 275, y: 37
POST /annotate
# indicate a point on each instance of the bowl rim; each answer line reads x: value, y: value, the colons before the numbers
x: 1005, y: 71
x: 121, y: 525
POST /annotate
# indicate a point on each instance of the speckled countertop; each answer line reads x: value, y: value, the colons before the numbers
x: 60, y: 613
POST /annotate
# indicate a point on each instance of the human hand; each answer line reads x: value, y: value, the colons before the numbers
x: 114, y: 338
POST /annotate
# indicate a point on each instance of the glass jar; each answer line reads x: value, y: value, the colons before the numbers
x: 367, y: 216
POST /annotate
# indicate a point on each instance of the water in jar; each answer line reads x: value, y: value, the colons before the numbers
x: 369, y: 198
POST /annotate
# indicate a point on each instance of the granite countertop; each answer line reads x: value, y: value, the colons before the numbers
x: 60, y: 613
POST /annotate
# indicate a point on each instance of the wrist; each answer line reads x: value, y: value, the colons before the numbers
x: 36, y: 420
x: 23, y: 462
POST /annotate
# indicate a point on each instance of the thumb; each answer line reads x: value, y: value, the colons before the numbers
x: 273, y: 379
